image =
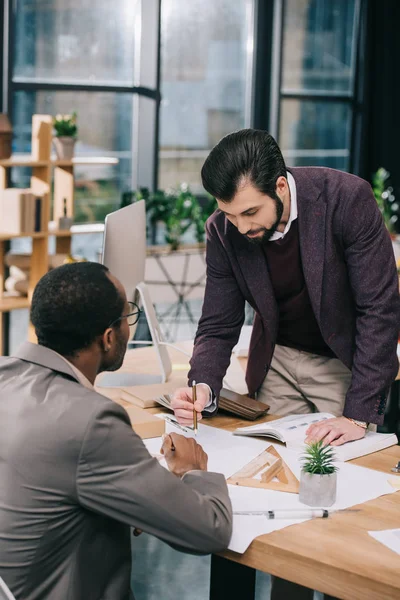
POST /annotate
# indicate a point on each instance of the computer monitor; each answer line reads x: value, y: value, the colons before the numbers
x: 124, y: 253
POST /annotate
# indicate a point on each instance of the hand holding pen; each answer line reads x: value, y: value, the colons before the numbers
x: 182, y: 403
x: 183, y: 454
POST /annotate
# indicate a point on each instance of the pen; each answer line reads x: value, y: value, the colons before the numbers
x: 194, y: 410
x: 172, y: 422
x: 300, y: 513
x: 172, y: 445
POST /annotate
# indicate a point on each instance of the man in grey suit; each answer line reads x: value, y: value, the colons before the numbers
x: 74, y: 475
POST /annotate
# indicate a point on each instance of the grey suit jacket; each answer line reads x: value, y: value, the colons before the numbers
x: 74, y: 476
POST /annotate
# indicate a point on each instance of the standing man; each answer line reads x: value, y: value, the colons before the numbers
x: 308, y: 249
x: 74, y: 475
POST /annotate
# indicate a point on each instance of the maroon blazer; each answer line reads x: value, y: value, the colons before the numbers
x: 351, y: 278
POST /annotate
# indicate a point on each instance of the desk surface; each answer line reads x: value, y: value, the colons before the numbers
x: 336, y: 555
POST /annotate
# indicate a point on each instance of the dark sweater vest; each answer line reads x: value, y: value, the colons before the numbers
x: 298, y: 327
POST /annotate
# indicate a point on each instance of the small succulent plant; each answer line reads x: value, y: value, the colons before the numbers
x: 318, y: 459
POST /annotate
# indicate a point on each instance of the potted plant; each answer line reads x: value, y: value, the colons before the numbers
x: 64, y: 140
x: 318, y: 475
x: 385, y: 199
x: 175, y: 211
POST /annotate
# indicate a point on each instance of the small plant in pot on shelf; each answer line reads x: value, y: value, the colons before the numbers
x: 318, y: 475
x: 66, y: 130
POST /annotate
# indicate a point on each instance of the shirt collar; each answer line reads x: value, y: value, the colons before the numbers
x: 293, y: 209
x: 79, y: 375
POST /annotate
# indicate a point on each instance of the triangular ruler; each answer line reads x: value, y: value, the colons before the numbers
x: 262, y: 470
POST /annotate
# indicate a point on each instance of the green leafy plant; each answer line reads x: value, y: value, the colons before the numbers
x: 177, y: 209
x: 384, y: 197
x: 65, y: 125
x: 318, y: 459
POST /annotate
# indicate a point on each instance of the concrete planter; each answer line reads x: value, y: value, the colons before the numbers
x: 317, y: 490
x: 64, y: 147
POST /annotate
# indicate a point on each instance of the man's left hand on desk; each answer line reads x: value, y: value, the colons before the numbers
x: 334, y: 432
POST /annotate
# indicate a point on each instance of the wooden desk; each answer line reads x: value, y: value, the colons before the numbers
x: 335, y: 556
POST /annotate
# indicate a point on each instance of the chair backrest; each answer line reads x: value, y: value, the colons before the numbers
x: 5, y: 593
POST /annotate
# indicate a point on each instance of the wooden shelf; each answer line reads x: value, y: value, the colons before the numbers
x: 13, y: 236
x: 60, y: 233
x: 86, y: 160
x: 76, y: 229
x: 25, y: 160
x: 45, y: 171
x: 8, y: 303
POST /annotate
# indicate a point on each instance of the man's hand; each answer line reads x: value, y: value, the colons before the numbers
x: 334, y: 432
x: 182, y: 403
x: 183, y: 454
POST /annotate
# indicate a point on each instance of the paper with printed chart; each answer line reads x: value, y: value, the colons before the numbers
x: 228, y: 453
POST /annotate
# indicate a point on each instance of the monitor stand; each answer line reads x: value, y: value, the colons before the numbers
x: 131, y: 379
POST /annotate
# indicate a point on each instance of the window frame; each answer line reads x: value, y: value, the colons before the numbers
x: 147, y: 69
x: 352, y: 98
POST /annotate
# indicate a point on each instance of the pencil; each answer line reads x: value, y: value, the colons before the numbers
x: 194, y: 411
x: 175, y: 424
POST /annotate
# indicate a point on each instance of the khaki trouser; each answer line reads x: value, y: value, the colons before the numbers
x: 299, y: 382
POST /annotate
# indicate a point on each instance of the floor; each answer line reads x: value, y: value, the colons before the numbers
x: 161, y: 573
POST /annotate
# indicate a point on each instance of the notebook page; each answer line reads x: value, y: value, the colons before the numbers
x: 291, y: 429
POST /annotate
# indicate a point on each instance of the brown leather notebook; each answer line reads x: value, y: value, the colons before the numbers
x: 242, y: 406
x: 236, y: 404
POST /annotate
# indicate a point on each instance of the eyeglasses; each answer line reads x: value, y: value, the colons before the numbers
x: 132, y: 316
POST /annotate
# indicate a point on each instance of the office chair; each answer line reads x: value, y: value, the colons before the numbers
x: 5, y: 593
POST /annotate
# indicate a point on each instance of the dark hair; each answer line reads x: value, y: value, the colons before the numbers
x: 74, y: 304
x: 246, y: 154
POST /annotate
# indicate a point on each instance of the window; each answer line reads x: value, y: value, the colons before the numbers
x: 205, y: 77
x: 75, y: 41
x: 105, y: 129
x: 98, y: 58
x: 86, y: 56
x: 314, y: 116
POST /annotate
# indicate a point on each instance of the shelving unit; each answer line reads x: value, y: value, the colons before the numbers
x: 45, y: 169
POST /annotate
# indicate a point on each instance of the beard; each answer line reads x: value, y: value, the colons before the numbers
x: 268, y: 233
x: 120, y: 351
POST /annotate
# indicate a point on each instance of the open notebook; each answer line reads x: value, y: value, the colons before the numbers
x: 291, y: 431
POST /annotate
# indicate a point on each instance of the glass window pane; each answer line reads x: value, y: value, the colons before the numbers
x: 315, y: 133
x: 318, y: 45
x: 75, y: 40
x: 105, y: 129
x: 203, y: 82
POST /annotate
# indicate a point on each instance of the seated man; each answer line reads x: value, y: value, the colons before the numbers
x: 74, y: 475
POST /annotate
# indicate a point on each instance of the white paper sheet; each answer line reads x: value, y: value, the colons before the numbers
x: 388, y: 537
x: 242, y: 347
x: 228, y: 453
x: 235, y: 377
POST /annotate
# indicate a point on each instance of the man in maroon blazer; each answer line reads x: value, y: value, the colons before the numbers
x: 308, y: 250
